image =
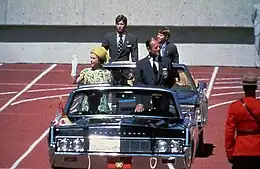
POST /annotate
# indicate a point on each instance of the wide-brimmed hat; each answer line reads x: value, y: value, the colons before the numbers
x: 249, y: 80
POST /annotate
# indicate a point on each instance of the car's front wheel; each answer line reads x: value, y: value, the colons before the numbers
x: 200, y: 149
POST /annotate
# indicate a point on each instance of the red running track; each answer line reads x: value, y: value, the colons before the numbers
x: 29, y: 115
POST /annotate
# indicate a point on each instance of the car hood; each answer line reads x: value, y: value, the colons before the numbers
x: 127, y: 127
x: 186, y: 97
x: 133, y: 121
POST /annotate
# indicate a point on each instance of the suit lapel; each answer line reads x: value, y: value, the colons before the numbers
x: 166, y: 51
x: 125, y: 42
x: 114, y: 40
x: 160, y: 61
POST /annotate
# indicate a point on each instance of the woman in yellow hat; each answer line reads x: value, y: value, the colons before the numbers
x: 96, y: 74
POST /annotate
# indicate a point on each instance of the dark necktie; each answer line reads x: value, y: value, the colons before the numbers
x: 154, y: 67
x: 120, y: 44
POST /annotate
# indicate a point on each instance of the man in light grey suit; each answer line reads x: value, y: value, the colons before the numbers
x: 256, y: 22
x: 121, y: 43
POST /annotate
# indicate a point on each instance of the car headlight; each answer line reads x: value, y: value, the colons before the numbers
x: 63, y: 145
x: 162, y: 146
x: 169, y: 146
x: 176, y: 146
x: 78, y: 145
x: 70, y: 144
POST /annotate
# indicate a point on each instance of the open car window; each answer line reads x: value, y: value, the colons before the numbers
x: 123, y: 102
x: 183, y: 80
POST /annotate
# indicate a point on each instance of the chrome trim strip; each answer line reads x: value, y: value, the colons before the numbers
x: 122, y: 154
x: 121, y: 138
x: 69, y: 137
x: 122, y: 88
x: 118, y: 137
x: 134, y: 138
x: 187, y: 106
x: 187, y: 137
x: 52, y: 134
x: 93, y: 85
x: 119, y: 65
x: 106, y: 127
x: 99, y: 116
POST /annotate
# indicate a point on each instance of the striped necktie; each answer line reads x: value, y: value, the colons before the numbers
x: 120, y: 45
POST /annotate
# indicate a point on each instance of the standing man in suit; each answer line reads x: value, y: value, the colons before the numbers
x: 121, y: 43
x: 153, y: 71
x: 168, y: 49
x: 242, y: 129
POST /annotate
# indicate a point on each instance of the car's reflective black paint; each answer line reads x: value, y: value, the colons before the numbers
x: 138, y: 136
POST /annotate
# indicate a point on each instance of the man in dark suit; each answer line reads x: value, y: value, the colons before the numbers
x: 168, y: 49
x: 121, y: 43
x: 153, y: 71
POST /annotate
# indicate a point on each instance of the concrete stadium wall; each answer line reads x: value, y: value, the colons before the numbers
x: 139, y: 12
x: 207, y: 32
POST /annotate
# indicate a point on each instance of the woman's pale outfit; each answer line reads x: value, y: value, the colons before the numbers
x: 98, y: 76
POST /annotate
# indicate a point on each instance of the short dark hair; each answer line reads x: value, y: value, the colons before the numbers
x: 148, y: 42
x: 121, y: 18
x: 165, y: 31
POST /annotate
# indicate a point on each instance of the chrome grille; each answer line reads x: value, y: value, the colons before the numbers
x: 117, y: 145
x: 135, y: 146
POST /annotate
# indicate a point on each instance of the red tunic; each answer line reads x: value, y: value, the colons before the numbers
x: 238, y: 119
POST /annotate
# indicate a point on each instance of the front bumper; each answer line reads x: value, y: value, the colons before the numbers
x: 100, y: 160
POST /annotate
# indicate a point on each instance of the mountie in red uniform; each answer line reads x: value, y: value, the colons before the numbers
x: 242, y: 133
x: 242, y: 130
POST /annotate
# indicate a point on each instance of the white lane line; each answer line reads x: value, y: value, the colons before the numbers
x: 39, y: 98
x: 7, y: 93
x: 51, y: 89
x: 229, y: 93
x: 40, y: 84
x: 32, y: 70
x: 232, y: 78
x: 202, y: 79
x: 229, y: 87
x: 230, y: 82
x: 28, y: 86
x: 211, y: 82
x: 40, y: 90
x: 226, y: 82
x: 224, y: 103
x: 28, y: 151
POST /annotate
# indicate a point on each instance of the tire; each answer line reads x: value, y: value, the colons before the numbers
x: 200, y: 149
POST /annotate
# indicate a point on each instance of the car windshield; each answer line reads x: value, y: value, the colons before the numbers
x: 183, y: 80
x: 123, y: 102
